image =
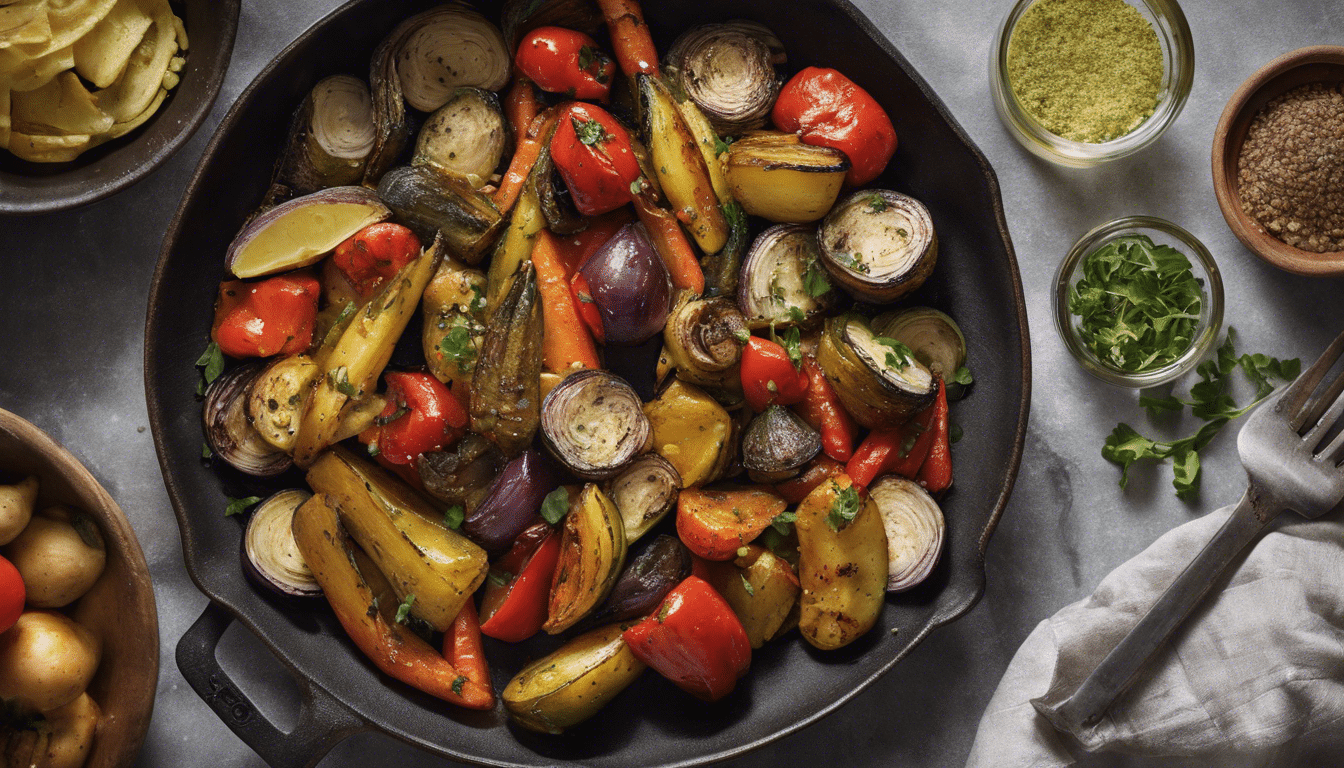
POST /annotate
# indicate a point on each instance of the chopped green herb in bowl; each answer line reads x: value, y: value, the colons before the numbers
x: 1138, y: 301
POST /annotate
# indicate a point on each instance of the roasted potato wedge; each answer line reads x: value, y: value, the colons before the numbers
x: 571, y: 684
x: 592, y: 554
x: 842, y: 564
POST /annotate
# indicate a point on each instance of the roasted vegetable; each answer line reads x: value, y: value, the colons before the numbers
x: 592, y: 423
x: 568, y: 342
x: 446, y: 48
x: 462, y: 475
x: 842, y: 566
x: 466, y: 136
x: 356, y: 360
x: 878, y: 245
x: 228, y: 430
x: 593, y: 152
x: 432, y: 202
x: 703, y: 340
x: 505, y: 396
x: 914, y: 526
x: 561, y: 60
x: 572, y: 683
x: 644, y: 491
x: 271, y: 557
x: 391, y: 125
x: 680, y: 166
x: 691, y: 431
x: 329, y: 140
x: 772, y: 374
x: 776, y: 445
x: 420, y: 416
x: 777, y: 177
x: 761, y: 588
x: 827, y: 109
x: 522, y: 16
x: 877, y: 378
x: 935, y: 339
x: 557, y: 205
x: 592, y: 553
x: 517, y: 590
x: 695, y: 640
x: 728, y: 71
x: 454, y: 309
x: 512, y: 502
x: 716, y: 523
x: 783, y: 282
x: 628, y: 283
x: 268, y: 317
x: 302, y: 231
x: 647, y: 578
x: 275, y: 401
x: 406, y: 537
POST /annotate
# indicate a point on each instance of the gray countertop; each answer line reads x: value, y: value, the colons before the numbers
x: 76, y: 371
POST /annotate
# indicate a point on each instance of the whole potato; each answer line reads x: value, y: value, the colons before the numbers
x: 16, y: 508
x: 72, y: 728
x: 46, y: 660
x: 59, y: 555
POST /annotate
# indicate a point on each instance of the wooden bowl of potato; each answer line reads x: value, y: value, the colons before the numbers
x: 86, y: 646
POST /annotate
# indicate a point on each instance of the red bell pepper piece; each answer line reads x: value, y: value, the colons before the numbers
x: 769, y: 376
x: 583, y: 303
x: 462, y: 647
x: 936, y: 472
x: 273, y: 316
x: 519, y: 586
x: 12, y: 594
x: 821, y: 469
x: 695, y: 640
x: 592, y: 152
x: 828, y: 109
x: 374, y: 254
x: 714, y: 524
x: 565, y: 61
x: 901, y: 450
x: 421, y: 416
x: 821, y: 408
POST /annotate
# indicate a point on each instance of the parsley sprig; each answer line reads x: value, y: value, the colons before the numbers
x: 1210, y: 401
x: 844, y: 509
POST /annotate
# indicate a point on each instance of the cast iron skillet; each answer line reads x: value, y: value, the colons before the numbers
x: 651, y: 723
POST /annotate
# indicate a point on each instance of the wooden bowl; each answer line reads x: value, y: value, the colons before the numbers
x: 120, y: 606
x: 1314, y: 64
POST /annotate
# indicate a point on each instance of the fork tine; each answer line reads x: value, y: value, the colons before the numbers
x: 1297, y: 393
x: 1317, y: 406
x: 1335, y: 451
x: 1321, y: 426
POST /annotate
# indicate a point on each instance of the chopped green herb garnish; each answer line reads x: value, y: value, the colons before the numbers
x: 374, y: 450
x: 211, y: 363
x: 404, y: 610
x: 796, y: 314
x: 742, y: 335
x: 458, y: 346
x: 772, y: 386
x: 477, y: 303
x: 877, y: 203
x: 340, y: 380
x: 963, y: 376
x: 852, y: 261
x: 555, y: 505
x: 783, y: 522
x: 458, y: 682
x: 586, y: 56
x: 662, y: 612
x: 238, y: 506
x: 639, y: 185
x: 1137, y: 303
x: 954, y: 433
x: 721, y: 145
x: 844, y: 509
x: 793, y: 344
x: 815, y: 280
x: 206, y: 453
x: 381, y: 421
x: 751, y: 591
x: 590, y: 132
x: 900, y: 356
x: 453, y: 516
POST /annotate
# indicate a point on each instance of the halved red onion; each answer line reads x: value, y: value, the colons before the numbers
x: 629, y: 284
x: 271, y: 557
x: 513, y: 501
x: 914, y: 525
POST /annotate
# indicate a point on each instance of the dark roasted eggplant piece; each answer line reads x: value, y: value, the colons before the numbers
x: 776, y: 445
x: 512, y: 503
x: 644, y: 491
x: 429, y: 201
x: 230, y: 433
x: 878, y: 379
x: 935, y: 339
x: 505, y: 388
x: 783, y: 281
x: 703, y: 340
x: 466, y: 136
x: 523, y: 16
x: 721, y: 269
x: 446, y: 48
x: 271, y: 557
x: 878, y: 245
x: 330, y: 140
x: 593, y: 423
x: 557, y: 205
x: 646, y: 580
x: 777, y: 177
x: 728, y: 70
x: 462, y: 475
x: 391, y: 125
x: 629, y: 284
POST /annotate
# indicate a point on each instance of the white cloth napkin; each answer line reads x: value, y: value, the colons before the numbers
x: 1255, y: 677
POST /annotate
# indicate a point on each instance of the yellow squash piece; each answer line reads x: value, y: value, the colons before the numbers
x: 777, y: 177
x: 680, y: 166
x: 592, y: 553
x: 843, y: 572
x: 691, y: 431
x: 573, y: 682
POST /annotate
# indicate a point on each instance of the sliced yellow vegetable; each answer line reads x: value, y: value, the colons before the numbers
x: 691, y: 431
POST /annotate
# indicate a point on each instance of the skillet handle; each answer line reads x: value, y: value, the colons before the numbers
x: 323, y: 721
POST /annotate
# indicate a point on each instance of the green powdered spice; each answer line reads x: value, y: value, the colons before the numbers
x: 1088, y: 70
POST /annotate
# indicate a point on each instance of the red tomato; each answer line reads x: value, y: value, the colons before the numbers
x: 12, y: 594
x: 564, y: 61
x: 273, y: 316
x: 374, y: 253
x: 421, y: 416
x: 591, y: 149
x: 828, y: 109
x: 695, y: 640
x: 769, y: 376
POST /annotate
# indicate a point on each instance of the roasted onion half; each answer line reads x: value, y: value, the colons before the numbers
x: 703, y: 340
x: 728, y: 70
x: 329, y: 141
x: 879, y: 382
x: 776, y: 445
x: 271, y: 556
x: 783, y: 282
x: 935, y: 338
x: 593, y: 423
x: 446, y: 48
x: 914, y: 525
x: 466, y: 136
x: 230, y: 433
x: 878, y: 244
x: 644, y: 492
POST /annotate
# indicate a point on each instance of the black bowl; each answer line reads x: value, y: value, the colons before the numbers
x: 651, y: 723
x: 29, y: 188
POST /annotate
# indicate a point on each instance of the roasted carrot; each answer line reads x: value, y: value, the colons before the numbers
x: 575, y: 249
x: 822, y: 410
x: 630, y: 39
x: 462, y: 647
x: 566, y: 343
x: 671, y: 242
x: 524, y: 157
x: 521, y: 106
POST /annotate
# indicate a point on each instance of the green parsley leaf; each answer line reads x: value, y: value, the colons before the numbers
x: 586, y: 56
x: 844, y: 509
x: 459, y: 681
x: 211, y: 363
x: 815, y: 280
x: 458, y: 345
x: 639, y: 185
x: 206, y: 453
x: 963, y: 377
x: 662, y: 612
x: 751, y: 591
x: 404, y: 610
x: 340, y: 379
x: 555, y: 506
x: 382, y: 421
x: 796, y: 314
x: 478, y: 302
x: 955, y: 433
x: 793, y: 345
x: 590, y: 132
x: 721, y: 144
x: 742, y: 335
x: 238, y: 506
x: 900, y: 356
x: 453, y: 516
x: 877, y: 203
x: 783, y: 522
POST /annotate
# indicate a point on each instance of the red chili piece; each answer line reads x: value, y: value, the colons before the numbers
x: 375, y: 253
x: 821, y: 408
x: 564, y: 61
x: 519, y: 587
x: 591, y: 149
x: 936, y: 472
x: 769, y: 376
x: 421, y: 416
x: 901, y: 450
x: 695, y: 640
x: 274, y: 316
x: 828, y: 109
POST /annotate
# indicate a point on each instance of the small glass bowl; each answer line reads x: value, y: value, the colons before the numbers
x: 1202, y: 266
x: 1178, y: 59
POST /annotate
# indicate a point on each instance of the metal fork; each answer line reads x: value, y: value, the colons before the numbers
x: 1290, y: 466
